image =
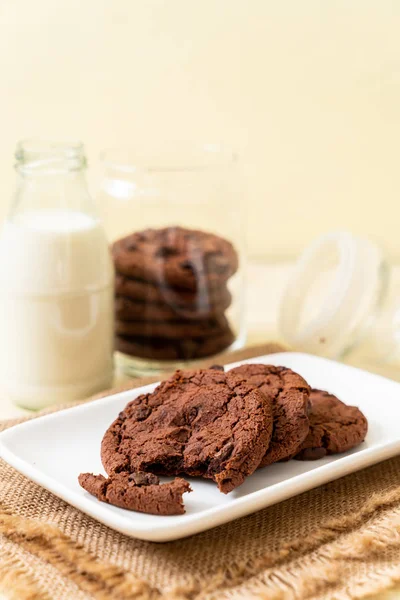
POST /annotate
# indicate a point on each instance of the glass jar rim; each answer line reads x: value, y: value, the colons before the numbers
x: 43, y: 156
x: 169, y: 158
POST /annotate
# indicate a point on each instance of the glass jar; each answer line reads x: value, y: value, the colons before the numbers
x: 175, y: 222
x: 56, y: 276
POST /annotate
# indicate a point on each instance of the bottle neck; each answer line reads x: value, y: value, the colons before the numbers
x: 45, y: 158
x: 51, y: 178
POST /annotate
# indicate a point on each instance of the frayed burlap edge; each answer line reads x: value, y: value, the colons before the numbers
x: 15, y: 579
x: 291, y: 572
x: 48, y: 543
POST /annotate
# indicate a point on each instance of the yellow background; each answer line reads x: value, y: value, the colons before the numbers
x: 307, y: 91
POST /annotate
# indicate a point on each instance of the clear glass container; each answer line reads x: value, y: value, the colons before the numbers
x: 175, y: 222
x: 342, y: 301
x: 56, y: 276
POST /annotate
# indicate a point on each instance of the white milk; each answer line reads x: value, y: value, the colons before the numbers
x: 56, y: 308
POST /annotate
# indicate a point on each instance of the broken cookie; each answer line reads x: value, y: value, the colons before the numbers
x: 138, y: 491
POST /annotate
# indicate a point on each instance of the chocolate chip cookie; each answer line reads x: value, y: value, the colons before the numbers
x: 334, y: 427
x: 137, y: 491
x: 288, y: 393
x: 205, y: 300
x: 127, y: 309
x: 204, y: 423
x: 165, y: 349
x: 176, y: 257
x: 174, y: 330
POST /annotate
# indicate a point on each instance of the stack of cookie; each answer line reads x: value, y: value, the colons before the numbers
x: 220, y: 426
x: 171, y: 293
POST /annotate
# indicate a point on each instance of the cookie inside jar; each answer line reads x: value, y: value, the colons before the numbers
x: 172, y: 296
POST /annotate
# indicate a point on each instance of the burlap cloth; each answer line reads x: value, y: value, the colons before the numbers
x: 339, y: 541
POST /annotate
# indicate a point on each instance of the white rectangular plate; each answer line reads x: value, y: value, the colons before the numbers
x: 53, y: 450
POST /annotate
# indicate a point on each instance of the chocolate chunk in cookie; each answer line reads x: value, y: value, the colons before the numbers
x: 137, y: 491
x: 204, y: 423
x: 288, y: 393
x: 334, y: 427
x: 176, y: 257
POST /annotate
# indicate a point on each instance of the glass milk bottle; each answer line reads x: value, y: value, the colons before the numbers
x: 56, y: 277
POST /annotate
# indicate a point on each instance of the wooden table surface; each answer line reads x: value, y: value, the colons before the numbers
x: 266, y: 284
